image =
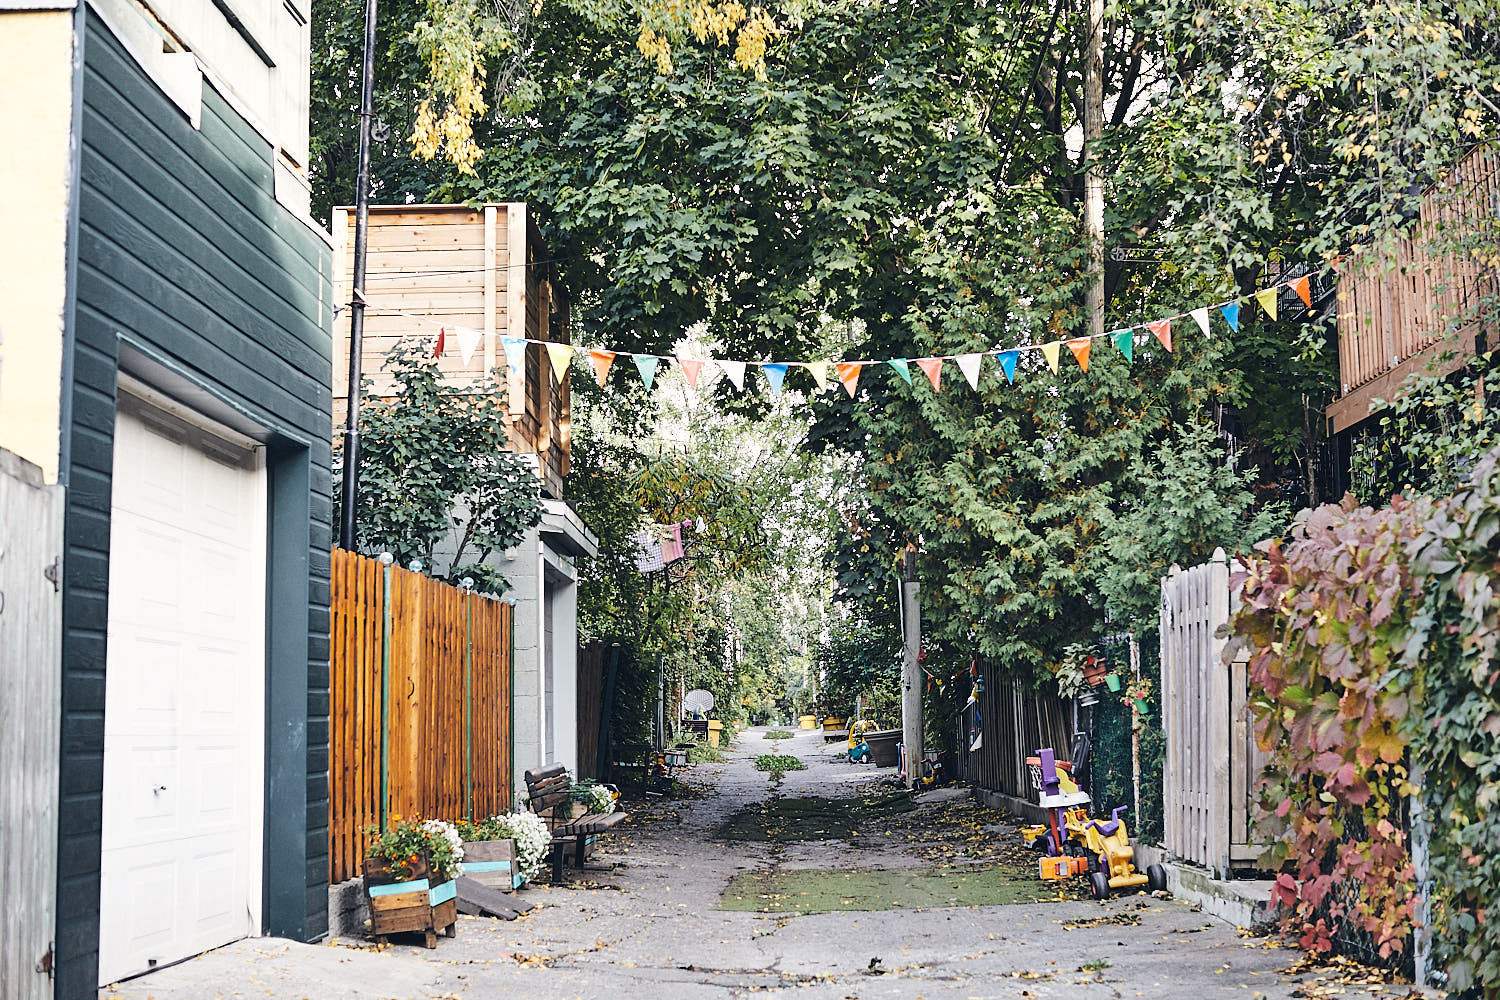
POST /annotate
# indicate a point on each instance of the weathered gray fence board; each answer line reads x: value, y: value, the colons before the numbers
x: 1211, y: 760
x: 30, y: 679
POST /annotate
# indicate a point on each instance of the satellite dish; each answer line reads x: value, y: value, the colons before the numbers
x: 698, y: 701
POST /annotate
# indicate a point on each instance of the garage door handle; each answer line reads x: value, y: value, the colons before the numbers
x: 158, y: 789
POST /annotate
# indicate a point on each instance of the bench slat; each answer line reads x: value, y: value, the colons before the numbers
x: 543, y: 773
x: 586, y: 825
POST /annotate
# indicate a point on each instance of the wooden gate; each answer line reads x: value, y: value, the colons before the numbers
x: 420, y: 679
x: 31, y: 679
x: 1015, y: 721
x: 1212, y: 761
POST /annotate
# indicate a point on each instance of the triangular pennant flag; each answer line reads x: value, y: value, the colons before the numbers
x: 1050, y: 351
x: 1303, y: 288
x: 849, y: 375
x: 1124, y: 341
x: 601, y: 360
x: 933, y: 368
x: 969, y: 365
x: 775, y: 374
x: 1163, y: 330
x: 735, y: 372
x: 468, y: 342
x: 1080, y: 348
x: 1231, y: 311
x: 646, y: 365
x: 819, y: 371
x: 437, y: 345
x: 1267, y: 300
x: 1007, y: 361
x: 902, y: 368
x: 515, y: 353
x: 559, y: 355
x: 690, y: 369
x: 1200, y: 316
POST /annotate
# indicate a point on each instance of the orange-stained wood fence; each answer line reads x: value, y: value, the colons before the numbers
x: 420, y: 684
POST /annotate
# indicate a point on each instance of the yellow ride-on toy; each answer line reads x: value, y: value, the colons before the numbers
x: 1109, y: 843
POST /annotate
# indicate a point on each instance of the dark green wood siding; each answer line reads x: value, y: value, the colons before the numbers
x: 185, y: 257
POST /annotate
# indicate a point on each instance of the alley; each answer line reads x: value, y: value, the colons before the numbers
x: 704, y: 896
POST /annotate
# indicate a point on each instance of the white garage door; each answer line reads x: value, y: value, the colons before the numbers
x: 184, y: 741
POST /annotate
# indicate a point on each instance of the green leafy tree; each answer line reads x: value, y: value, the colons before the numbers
x: 437, y: 481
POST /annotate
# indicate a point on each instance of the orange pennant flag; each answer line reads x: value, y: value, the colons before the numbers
x: 690, y: 369
x: 601, y: 360
x: 849, y: 375
x: 1303, y: 288
x: 1080, y: 349
x: 1163, y: 330
x: 933, y: 368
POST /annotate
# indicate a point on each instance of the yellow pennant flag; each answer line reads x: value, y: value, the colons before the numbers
x: 1049, y: 351
x: 1267, y: 300
x: 1080, y: 349
x: 819, y: 371
x: 559, y: 355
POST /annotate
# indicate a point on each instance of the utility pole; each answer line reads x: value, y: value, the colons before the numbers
x: 911, y: 669
x: 1093, y: 182
x: 350, y: 493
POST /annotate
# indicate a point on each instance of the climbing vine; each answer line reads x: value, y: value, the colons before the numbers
x: 1327, y: 617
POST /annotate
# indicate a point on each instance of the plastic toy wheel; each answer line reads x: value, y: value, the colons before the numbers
x: 1099, y: 883
x: 1101, y: 864
x: 1156, y: 878
x: 1051, y: 845
x: 1073, y: 850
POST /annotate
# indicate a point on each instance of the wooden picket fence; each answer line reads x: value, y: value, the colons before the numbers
x: 1212, y: 761
x: 420, y: 692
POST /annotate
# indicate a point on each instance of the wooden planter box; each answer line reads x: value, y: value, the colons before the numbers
x: 492, y: 863
x: 416, y: 904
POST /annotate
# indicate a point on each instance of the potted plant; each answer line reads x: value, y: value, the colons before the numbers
x: 519, y: 838
x: 409, y: 870
x: 1094, y: 671
x: 1139, y: 692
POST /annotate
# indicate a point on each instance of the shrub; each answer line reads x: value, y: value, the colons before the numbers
x: 778, y: 762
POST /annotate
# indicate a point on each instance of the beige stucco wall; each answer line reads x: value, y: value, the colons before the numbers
x: 36, y: 113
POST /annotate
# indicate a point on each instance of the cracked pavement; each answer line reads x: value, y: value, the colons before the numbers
x: 649, y: 926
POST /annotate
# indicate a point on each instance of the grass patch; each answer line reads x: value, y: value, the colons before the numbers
x: 782, y: 820
x: 779, y: 762
x: 831, y: 890
x: 778, y: 734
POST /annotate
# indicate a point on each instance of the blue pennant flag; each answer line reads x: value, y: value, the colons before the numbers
x: 1007, y: 361
x: 1231, y: 311
x: 775, y: 373
x: 515, y: 353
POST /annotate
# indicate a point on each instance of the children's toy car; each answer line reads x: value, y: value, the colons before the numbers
x: 1113, y: 866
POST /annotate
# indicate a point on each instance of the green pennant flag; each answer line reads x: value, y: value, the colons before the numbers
x: 1124, y: 341
x: 646, y: 365
x: 902, y: 368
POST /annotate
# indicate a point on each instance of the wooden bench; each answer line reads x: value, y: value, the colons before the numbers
x: 549, y: 793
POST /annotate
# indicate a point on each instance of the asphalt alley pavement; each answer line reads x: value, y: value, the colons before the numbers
x: 648, y: 924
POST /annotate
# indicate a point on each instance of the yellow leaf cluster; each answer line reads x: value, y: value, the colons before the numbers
x: 751, y: 29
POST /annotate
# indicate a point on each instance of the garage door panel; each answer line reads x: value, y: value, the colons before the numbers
x: 185, y: 702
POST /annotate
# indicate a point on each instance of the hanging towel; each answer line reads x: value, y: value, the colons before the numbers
x: 648, y: 552
x: 671, y: 548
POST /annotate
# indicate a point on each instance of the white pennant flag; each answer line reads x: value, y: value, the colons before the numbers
x: 468, y: 342
x: 969, y: 365
x: 735, y: 370
x: 1200, y: 316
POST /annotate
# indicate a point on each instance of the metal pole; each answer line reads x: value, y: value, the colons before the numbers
x: 911, y: 670
x: 1093, y: 181
x: 357, y: 299
x: 1135, y: 735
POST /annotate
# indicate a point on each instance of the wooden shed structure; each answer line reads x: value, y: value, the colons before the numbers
x: 463, y: 270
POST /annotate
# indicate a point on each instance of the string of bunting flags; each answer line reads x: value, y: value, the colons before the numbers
x: 848, y: 373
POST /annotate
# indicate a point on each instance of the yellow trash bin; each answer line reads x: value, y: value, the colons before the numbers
x: 808, y: 721
x: 714, y: 727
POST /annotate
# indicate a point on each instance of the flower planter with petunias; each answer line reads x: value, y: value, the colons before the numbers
x: 408, y: 876
x: 506, y: 851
